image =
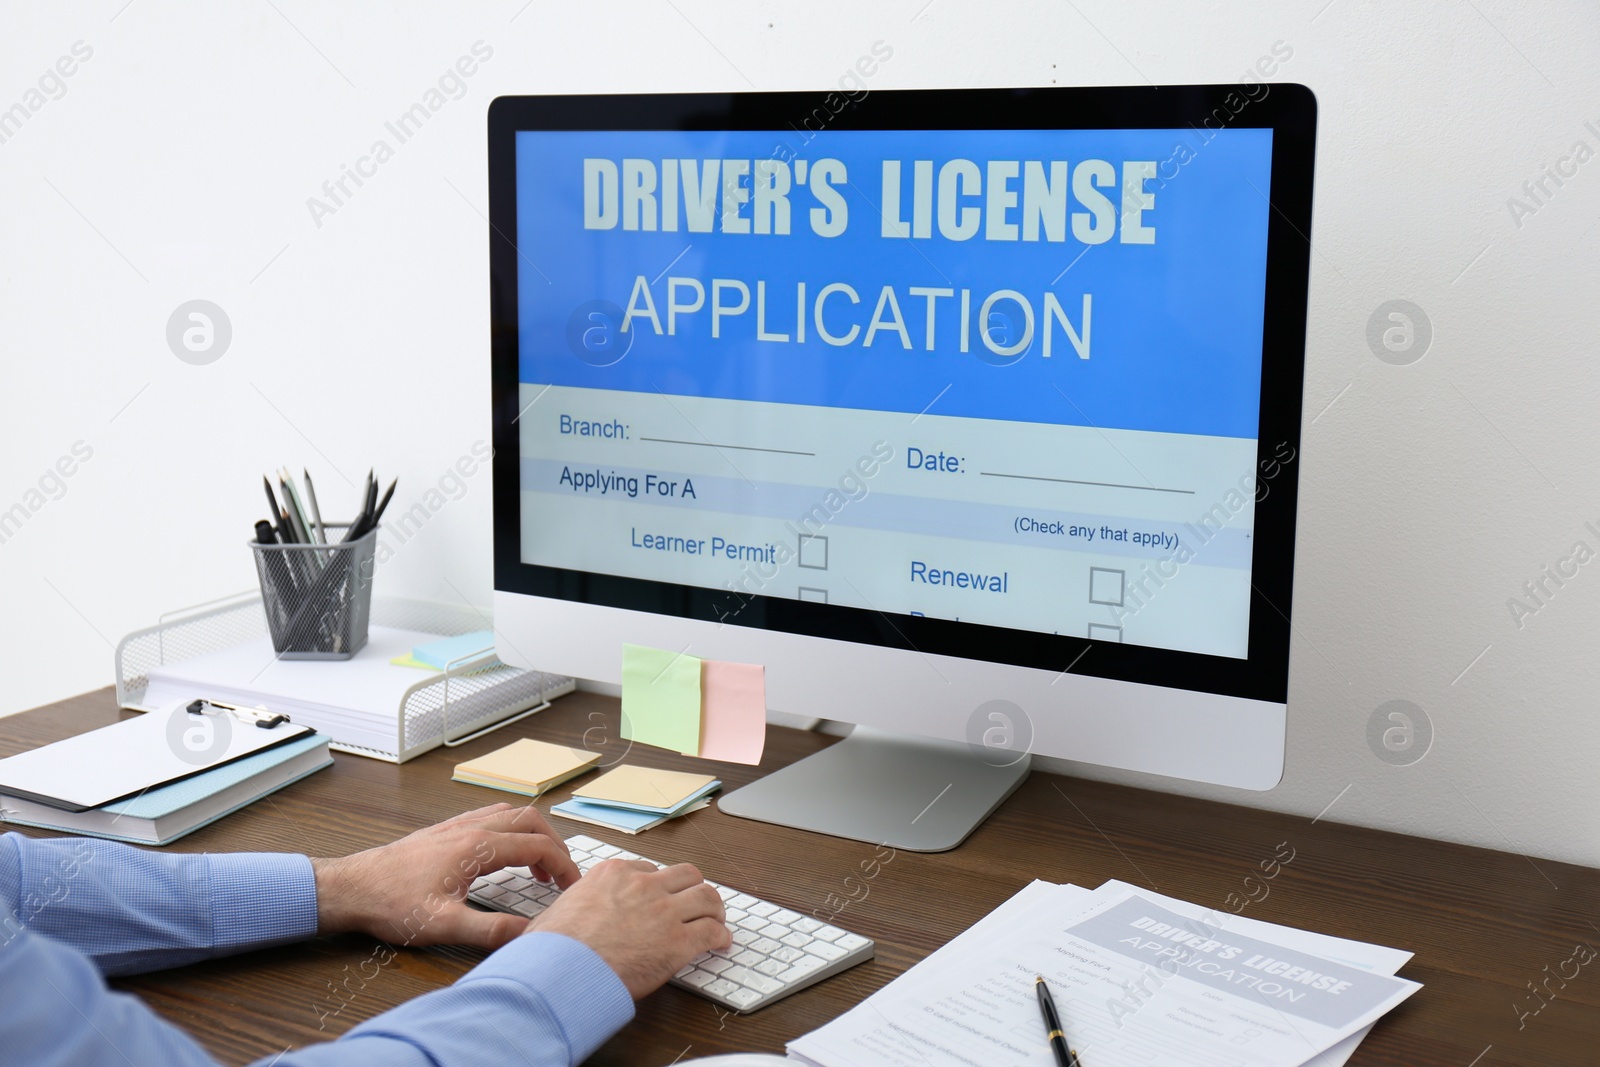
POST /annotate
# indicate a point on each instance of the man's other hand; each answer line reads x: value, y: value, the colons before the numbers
x: 645, y: 923
x: 413, y: 892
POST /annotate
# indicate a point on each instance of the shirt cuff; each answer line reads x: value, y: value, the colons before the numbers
x: 260, y: 899
x: 583, y: 994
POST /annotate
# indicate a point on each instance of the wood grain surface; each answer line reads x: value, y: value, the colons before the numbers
x: 1487, y: 927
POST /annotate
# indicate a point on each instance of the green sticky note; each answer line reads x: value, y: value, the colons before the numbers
x: 661, y: 698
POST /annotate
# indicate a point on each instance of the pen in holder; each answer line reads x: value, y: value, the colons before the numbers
x: 318, y: 597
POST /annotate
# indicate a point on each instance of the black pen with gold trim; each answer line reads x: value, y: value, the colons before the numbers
x: 1065, y: 1056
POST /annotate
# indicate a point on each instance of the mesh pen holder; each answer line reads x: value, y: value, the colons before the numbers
x: 318, y: 598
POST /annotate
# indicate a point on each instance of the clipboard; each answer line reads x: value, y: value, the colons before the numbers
x: 129, y: 757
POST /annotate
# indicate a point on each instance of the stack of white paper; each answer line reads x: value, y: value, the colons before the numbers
x: 354, y: 701
x: 1139, y: 978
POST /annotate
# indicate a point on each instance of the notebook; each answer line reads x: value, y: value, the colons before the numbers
x: 629, y: 822
x: 159, y: 816
x: 128, y: 757
x: 646, y: 789
x: 527, y: 766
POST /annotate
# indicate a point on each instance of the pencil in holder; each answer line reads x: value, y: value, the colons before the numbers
x: 318, y: 598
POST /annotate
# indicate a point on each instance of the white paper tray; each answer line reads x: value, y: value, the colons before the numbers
x: 471, y: 698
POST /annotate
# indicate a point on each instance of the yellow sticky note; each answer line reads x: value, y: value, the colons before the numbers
x: 645, y: 787
x: 526, y: 766
x: 661, y: 698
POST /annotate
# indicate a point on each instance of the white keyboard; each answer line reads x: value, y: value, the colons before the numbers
x: 775, y: 951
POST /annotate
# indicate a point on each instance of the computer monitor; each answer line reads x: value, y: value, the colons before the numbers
x: 972, y: 415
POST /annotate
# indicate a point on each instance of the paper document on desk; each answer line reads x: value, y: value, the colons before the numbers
x: 1379, y: 959
x: 1137, y: 983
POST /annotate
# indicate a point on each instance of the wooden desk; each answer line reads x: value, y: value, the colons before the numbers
x: 1483, y: 924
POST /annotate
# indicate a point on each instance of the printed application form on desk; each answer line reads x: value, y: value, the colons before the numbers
x: 1140, y: 979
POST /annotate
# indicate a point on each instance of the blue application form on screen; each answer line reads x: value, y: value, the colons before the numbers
x: 1010, y: 377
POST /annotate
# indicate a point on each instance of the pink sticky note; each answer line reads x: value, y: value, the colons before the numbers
x: 733, y: 712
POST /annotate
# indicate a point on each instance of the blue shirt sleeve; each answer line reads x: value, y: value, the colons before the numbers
x: 131, y: 910
x: 542, y: 1001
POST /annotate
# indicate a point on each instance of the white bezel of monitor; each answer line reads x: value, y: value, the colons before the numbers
x: 1180, y: 714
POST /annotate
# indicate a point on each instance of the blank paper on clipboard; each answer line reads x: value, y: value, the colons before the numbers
x: 131, y: 756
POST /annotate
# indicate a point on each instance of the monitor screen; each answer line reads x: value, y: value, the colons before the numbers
x: 990, y: 388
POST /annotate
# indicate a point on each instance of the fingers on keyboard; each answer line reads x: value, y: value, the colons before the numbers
x: 774, y: 950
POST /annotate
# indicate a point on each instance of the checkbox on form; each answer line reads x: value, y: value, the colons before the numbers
x: 813, y: 552
x: 1106, y: 586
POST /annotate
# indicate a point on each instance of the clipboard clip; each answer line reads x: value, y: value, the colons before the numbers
x: 263, y: 718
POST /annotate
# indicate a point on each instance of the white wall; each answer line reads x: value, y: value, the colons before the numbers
x: 179, y: 161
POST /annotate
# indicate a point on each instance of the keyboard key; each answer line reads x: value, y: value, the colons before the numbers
x: 806, y: 926
x: 718, y: 964
x: 827, y: 951
x: 723, y: 891
x: 775, y: 930
x: 851, y: 942
x: 685, y: 970
x: 743, y: 998
x: 699, y: 979
x: 733, y: 915
x: 828, y: 933
x: 492, y: 893
x: 762, y: 984
x: 772, y: 968
x: 787, y: 954
x: 517, y: 885
x: 744, y: 901
x: 748, y: 958
x: 721, y: 987
x: 763, y: 908
x: 497, y: 877
x: 627, y: 856
x: 803, y: 968
x: 742, y: 975
x: 752, y: 922
x: 750, y: 979
x: 744, y: 937
x: 583, y: 841
x: 798, y: 940
x: 521, y: 872
x: 785, y: 916
x: 526, y: 908
x: 766, y: 946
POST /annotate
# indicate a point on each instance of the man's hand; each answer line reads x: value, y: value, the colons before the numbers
x: 645, y: 923
x: 412, y: 892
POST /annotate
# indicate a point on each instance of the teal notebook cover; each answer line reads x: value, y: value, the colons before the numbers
x: 621, y: 818
x: 180, y: 794
x: 617, y: 805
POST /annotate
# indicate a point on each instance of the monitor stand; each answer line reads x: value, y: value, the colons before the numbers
x: 911, y: 793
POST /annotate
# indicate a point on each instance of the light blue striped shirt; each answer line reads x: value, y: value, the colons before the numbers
x: 73, y: 910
